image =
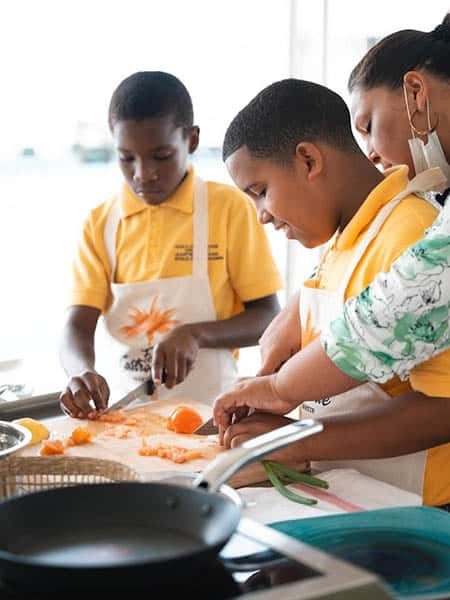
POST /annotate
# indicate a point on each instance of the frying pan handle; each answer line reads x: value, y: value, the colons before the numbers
x: 228, y: 463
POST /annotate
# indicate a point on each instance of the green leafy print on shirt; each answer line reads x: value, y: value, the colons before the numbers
x: 428, y: 328
x: 402, y: 318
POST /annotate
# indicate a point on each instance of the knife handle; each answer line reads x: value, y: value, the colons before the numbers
x: 151, y: 384
x: 150, y: 387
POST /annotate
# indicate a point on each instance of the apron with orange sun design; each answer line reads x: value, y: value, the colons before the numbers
x: 142, y: 312
x: 318, y: 308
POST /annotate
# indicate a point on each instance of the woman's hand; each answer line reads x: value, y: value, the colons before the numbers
x: 81, y: 391
x: 175, y: 354
x: 248, y: 395
x: 282, y: 338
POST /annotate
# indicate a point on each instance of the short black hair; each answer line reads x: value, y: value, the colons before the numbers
x: 150, y: 94
x: 386, y: 63
x: 288, y: 112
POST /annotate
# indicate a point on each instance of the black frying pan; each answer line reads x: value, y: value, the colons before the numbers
x: 123, y: 535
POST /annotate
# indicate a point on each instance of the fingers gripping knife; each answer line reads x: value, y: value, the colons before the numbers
x: 146, y: 388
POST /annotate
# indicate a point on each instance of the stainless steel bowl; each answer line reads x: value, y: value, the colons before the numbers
x: 13, y: 437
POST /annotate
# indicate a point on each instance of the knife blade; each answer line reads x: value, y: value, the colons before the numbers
x: 147, y: 387
x: 208, y: 428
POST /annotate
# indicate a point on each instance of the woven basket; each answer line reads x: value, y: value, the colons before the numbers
x: 24, y: 474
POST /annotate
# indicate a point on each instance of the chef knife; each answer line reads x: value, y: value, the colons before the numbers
x: 147, y: 387
x: 208, y: 428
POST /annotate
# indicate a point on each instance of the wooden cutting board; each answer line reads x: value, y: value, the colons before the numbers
x: 154, y: 430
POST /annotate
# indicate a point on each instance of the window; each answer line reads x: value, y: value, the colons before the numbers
x: 63, y: 62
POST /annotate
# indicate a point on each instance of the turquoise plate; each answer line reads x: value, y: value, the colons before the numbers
x: 409, y: 548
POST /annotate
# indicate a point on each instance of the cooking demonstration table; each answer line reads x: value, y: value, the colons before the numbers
x: 257, y: 563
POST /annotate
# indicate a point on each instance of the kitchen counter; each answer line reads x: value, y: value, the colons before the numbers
x: 349, y: 491
x: 40, y: 373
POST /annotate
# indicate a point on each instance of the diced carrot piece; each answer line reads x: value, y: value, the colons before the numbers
x: 184, y: 419
x: 119, y: 432
x: 173, y: 453
x: 132, y: 421
x: 115, y: 416
x: 50, y: 447
x: 79, y: 436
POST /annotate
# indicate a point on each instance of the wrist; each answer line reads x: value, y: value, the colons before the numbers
x: 80, y: 370
x: 196, y: 331
x: 281, y: 391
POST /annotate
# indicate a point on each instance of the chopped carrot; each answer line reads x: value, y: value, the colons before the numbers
x: 119, y: 432
x: 132, y: 421
x: 50, y: 447
x: 184, y: 419
x: 173, y: 453
x: 114, y: 416
x: 79, y: 436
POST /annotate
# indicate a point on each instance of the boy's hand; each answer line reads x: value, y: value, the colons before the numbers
x: 249, y: 394
x: 176, y: 354
x: 282, y: 337
x: 81, y: 390
x: 257, y: 424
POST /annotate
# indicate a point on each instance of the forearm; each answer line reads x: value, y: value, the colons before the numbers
x: 76, y: 349
x: 310, y: 375
x: 76, y: 352
x: 239, y: 331
x: 409, y: 423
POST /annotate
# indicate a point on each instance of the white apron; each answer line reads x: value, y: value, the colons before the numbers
x: 142, y: 312
x: 318, y: 308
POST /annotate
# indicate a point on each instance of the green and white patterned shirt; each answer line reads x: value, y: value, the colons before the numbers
x: 402, y: 318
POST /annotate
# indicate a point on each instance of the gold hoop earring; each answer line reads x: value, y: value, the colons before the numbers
x: 411, y: 117
x: 425, y: 131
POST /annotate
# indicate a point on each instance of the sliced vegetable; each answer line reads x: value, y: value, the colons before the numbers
x: 173, y: 453
x: 50, y: 447
x: 113, y: 416
x: 79, y: 437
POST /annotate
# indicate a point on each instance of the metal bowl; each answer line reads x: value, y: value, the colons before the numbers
x: 13, y: 437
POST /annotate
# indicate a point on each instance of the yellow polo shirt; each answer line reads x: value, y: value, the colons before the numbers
x: 155, y: 242
x: 403, y: 227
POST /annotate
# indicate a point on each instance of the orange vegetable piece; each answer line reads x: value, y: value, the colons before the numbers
x: 79, y: 436
x: 114, y: 416
x: 50, y: 447
x: 184, y: 419
x: 119, y: 432
x: 173, y: 453
x: 133, y: 421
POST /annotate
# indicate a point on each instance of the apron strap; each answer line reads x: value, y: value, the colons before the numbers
x: 109, y: 235
x: 423, y: 182
x: 200, y: 231
x: 426, y: 181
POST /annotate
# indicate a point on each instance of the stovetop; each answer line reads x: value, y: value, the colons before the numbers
x: 216, y: 580
x: 257, y: 559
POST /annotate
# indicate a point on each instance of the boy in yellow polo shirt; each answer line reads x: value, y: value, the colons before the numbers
x: 292, y: 151
x: 179, y: 268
